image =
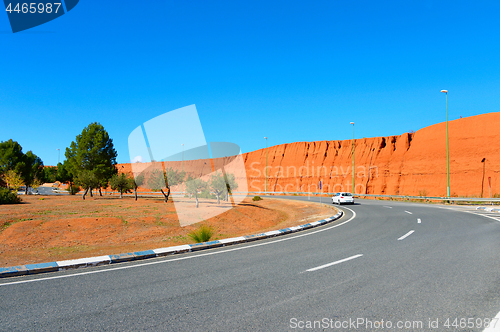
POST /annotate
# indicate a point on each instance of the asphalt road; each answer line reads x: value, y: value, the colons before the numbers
x: 364, y: 272
x: 41, y: 191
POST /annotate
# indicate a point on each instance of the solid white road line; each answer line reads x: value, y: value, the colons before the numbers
x: 182, y: 258
x: 405, y: 236
x: 408, y: 212
x: 334, y: 263
x: 495, y: 324
x: 419, y: 221
x: 389, y: 207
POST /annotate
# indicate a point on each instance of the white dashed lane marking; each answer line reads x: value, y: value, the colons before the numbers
x: 406, y: 235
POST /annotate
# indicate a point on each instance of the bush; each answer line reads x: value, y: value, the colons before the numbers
x: 257, y: 198
x: 8, y: 197
x: 202, y: 234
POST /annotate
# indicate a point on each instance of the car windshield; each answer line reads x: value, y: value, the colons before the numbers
x: 347, y: 194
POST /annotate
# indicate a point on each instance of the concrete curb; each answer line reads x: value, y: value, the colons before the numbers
x: 28, y: 269
x: 488, y: 209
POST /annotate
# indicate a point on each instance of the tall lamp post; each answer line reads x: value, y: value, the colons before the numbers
x: 182, y: 169
x: 266, y: 164
x: 353, y: 163
x: 447, y: 146
x: 58, y: 155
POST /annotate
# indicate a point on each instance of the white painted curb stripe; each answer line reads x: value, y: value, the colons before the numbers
x: 83, y: 261
x: 334, y: 263
x: 270, y: 233
x: 233, y: 239
x: 172, y: 249
x: 406, y: 235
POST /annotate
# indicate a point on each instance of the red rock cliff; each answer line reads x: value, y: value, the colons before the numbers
x: 409, y: 164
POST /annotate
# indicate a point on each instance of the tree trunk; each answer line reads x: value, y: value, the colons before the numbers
x: 85, y: 193
x: 91, y: 195
x: 100, y: 193
x: 121, y: 193
x: 196, y: 197
x: 218, y: 197
x: 135, y: 193
x: 167, y: 194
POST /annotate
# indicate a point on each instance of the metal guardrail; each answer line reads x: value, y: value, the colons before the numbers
x: 404, y: 197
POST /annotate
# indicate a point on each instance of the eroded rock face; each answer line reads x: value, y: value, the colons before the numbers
x: 409, y: 164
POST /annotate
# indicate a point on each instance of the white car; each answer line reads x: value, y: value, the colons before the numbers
x: 341, y: 198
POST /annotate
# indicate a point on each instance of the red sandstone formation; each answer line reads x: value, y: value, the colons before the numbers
x: 409, y: 164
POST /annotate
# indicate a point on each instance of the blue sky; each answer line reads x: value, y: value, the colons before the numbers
x: 289, y: 70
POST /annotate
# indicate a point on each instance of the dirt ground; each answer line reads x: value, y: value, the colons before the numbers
x: 51, y: 228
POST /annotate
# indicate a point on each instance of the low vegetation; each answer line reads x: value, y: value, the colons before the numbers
x: 8, y: 197
x: 203, y: 234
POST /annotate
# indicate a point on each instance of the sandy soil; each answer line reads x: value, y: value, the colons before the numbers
x: 44, y: 229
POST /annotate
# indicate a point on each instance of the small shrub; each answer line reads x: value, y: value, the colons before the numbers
x: 202, y: 234
x: 8, y: 197
x: 257, y: 198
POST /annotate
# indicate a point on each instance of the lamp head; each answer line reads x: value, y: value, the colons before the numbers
x: 444, y: 91
x: 352, y: 123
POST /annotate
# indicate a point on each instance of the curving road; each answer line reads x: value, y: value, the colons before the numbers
x: 408, y: 265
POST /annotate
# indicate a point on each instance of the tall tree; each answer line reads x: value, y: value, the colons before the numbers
x: 63, y: 175
x: 29, y: 166
x: 32, y: 169
x: 11, y: 157
x: 231, y: 184
x: 221, y: 184
x: 92, y: 151
x: 49, y: 174
x: 87, y: 180
x: 122, y: 183
x: 159, y: 180
x: 195, y: 185
x: 137, y: 181
x: 218, y: 185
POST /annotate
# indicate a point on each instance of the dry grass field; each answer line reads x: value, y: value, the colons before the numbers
x: 50, y: 228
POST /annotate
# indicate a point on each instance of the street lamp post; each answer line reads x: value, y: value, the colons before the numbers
x: 182, y: 169
x: 266, y: 164
x: 353, y: 162
x: 447, y: 146
x: 58, y: 155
